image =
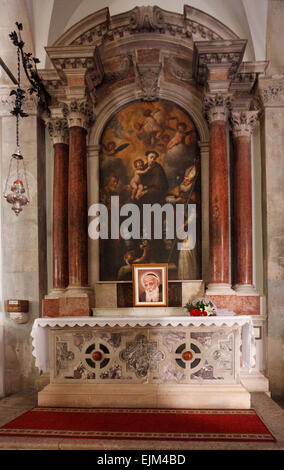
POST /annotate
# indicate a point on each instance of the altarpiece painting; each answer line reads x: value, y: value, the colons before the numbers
x: 149, y: 154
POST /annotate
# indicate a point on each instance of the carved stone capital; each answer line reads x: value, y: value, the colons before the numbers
x: 79, y: 113
x: 217, y: 107
x: 58, y: 130
x: 243, y: 122
x: 272, y: 91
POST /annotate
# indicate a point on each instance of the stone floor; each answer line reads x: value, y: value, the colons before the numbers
x: 11, y: 407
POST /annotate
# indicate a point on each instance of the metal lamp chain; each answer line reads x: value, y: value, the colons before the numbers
x: 17, y: 125
x: 19, y: 85
x: 20, y: 105
x: 17, y: 196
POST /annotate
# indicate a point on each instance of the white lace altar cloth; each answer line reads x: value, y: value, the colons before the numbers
x: 40, y: 340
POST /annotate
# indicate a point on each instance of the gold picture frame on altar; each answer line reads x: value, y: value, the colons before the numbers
x: 150, y: 285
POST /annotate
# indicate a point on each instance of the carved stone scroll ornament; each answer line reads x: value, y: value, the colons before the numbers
x: 217, y: 107
x: 148, y: 81
x: 243, y: 122
x: 79, y: 113
x: 147, y: 18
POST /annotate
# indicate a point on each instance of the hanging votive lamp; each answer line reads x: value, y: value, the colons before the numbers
x: 16, y: 178
x: 16, y: 196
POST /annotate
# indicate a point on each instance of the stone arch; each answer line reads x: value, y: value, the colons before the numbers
x: 192, y: 105
x: 127, y: 95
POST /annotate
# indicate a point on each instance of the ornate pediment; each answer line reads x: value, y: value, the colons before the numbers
x: 100, y: 28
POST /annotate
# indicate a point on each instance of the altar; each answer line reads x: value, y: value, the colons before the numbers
x: 145, y: 135
x: 158, y: 362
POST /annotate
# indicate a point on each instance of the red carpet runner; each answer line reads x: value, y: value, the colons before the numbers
x: 159, y: 424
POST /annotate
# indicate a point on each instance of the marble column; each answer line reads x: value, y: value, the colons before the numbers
x: 204, y: 159
x: 243, y: 123
x: 59, y: 133
x: 216, y: 108
x: 77, y: 115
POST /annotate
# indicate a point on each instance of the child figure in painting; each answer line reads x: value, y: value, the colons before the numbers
x: 137, y: 187
x: 180, y: 135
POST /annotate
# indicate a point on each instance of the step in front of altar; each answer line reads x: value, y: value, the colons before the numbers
x: 211, y: 396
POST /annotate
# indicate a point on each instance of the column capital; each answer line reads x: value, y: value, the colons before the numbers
x: 271, y: 91
x: 243, y: 122
x: 79, y: 112
x: 58, y: 130
x: 217, y: 106
x: 93, y: 150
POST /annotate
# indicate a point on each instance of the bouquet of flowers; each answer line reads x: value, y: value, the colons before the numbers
x: 201, y: 308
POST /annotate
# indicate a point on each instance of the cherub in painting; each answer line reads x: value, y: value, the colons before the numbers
x: 180, y: 134
x: 149, y: 130
x: 111, y: 149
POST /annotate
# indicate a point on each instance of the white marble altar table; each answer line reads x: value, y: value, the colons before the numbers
x: 40, y: 340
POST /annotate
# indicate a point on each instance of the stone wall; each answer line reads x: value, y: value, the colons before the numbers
x: 272, y: 92
x: 23, y: 247
x: 23, y: 237
x: 273, y: 165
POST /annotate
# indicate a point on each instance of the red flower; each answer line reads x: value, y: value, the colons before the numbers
x: 192, y: 311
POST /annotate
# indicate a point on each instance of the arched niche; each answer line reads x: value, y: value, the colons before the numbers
x: 188, y: 102
x: 122, y: 97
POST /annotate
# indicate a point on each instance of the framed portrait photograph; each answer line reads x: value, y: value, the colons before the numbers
x: 150, y: 285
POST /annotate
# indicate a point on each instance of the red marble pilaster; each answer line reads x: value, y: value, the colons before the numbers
x: 60, y: 216
x: 77, y: 208
x: 58, y: 131
x: 243, y: 124
x: 219, y: 230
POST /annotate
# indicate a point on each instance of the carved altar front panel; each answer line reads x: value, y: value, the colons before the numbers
x: 141, y: 355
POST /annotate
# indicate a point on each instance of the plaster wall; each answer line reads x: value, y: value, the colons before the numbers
x: 12, y: 11
x: 275, y: 39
